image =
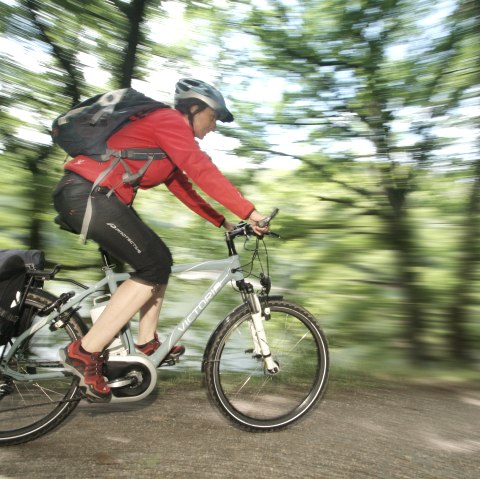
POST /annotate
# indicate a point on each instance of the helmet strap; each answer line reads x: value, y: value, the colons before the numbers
x: 200, y: 107
x: 190, y: 117
x: 186, y: 108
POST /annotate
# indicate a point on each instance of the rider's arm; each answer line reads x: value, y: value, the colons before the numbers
x: 177, y: 140
x: 179, y: 185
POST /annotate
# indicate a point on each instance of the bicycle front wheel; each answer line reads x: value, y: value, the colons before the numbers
x: 32, y: 400
x: 241, y: 387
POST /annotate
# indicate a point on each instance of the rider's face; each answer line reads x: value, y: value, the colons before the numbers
x: 204, y: 122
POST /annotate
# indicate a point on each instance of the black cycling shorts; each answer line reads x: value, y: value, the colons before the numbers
x: 115, y: 227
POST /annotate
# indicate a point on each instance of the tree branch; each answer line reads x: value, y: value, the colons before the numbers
x: 63, y: 57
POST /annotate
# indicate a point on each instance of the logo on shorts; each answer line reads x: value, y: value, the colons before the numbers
x: 121, y: 233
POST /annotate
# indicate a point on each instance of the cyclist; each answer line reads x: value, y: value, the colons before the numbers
x: 118, y: 229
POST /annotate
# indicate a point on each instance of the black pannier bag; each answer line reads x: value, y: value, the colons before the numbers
x: 14, y: 265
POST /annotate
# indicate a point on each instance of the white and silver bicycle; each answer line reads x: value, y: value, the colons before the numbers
x: 266, y: 364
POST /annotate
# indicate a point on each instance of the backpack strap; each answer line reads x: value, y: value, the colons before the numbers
x: 141, y: 154
x: 89, y: 209
x: 148, y: 154
x: 136, y: 154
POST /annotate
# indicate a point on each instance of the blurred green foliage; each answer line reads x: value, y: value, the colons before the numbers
x: 359, y: 121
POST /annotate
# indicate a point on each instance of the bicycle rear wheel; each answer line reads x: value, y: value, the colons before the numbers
x: 31, y: 407
x: 238, y: 382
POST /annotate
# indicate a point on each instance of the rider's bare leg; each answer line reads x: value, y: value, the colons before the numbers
x: 149, y: 314
x: 129, y: 298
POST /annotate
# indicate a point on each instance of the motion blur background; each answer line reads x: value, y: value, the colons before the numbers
x: 358, y: 119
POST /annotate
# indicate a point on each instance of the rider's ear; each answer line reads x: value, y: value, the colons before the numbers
x: 194, y: 109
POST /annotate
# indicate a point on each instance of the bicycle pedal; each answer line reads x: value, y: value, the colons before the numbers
x: 83, y: 396
x: 169, y: 362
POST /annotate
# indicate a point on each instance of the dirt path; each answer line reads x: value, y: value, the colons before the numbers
x: 369, y: 430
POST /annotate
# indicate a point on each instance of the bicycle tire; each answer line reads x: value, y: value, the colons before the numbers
x: 31, y: 408
x: 241, y: 388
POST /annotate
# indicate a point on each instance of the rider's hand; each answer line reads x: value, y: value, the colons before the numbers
x: 255, y: 217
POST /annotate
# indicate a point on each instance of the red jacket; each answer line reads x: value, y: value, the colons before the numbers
x: 166, y: 129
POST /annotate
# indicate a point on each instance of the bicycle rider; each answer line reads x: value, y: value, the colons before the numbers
x: 117, y: 228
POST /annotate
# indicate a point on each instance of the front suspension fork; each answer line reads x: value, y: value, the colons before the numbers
x: 256, y: 324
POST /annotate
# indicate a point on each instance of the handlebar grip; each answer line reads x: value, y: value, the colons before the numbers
x: 266, y: 221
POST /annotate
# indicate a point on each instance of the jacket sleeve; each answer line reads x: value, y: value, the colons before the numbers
x: 180, y: 145
x: 179, y: 185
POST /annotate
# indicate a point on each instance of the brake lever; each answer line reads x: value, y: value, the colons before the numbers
x: 248, y: 228
x: 266, y: 221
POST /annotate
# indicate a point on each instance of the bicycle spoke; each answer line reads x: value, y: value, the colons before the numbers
x: 242, y: 387
x: 44, y: 401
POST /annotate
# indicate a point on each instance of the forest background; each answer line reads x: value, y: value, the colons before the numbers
x: 358, y: 119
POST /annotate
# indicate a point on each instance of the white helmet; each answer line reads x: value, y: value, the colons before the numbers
x: 188, y: 88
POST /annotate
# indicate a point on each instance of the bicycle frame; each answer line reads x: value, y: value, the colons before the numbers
x: 230, y: 270
x: 237, y: 361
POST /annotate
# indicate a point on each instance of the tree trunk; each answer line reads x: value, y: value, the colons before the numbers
x: 135, y: 14
x: 458, y: 337
x: 413, y: 293
x: 401, y: 238
x: 40, y: 195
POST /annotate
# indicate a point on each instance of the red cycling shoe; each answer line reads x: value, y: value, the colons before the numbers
x: 149, y: 348
x: 89, y: 368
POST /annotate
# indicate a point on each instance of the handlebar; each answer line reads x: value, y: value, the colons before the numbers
x: 246, y: 229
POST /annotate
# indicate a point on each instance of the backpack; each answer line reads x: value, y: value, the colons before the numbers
x: 13, y: 278
x: 85, y: 129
